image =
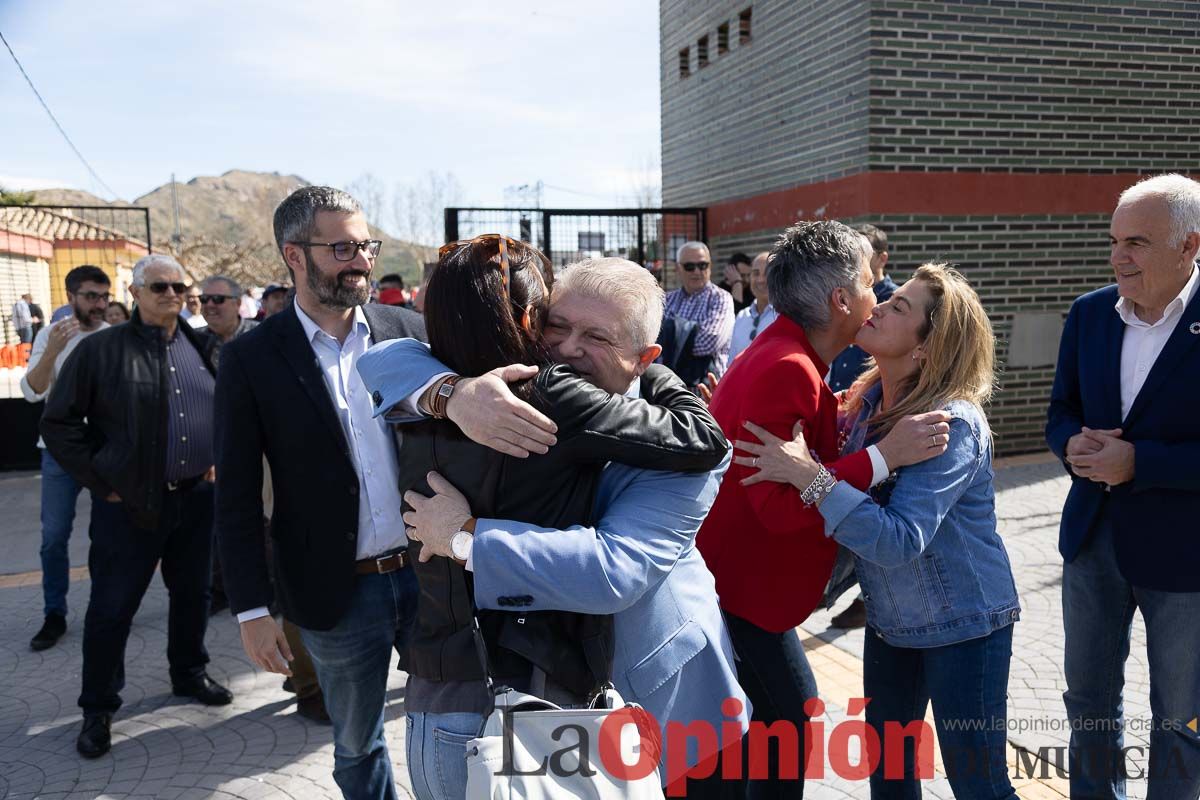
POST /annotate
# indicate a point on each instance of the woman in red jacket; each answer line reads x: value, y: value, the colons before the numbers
x: 767, y: 548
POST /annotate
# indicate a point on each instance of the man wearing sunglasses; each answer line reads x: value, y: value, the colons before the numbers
x: 220, y: 303
x: 702, y: 302
x: 131, y: 419
x: 87, y: 290
x: 288, y: 391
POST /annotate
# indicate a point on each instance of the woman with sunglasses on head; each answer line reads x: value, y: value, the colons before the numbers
x: 487, y: 306
x: 938, y: 586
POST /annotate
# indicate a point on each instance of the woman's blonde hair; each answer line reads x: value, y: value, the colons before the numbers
x: 959, y: 347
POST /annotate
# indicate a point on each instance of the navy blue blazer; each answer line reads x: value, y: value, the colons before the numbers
x: 1154, y: 516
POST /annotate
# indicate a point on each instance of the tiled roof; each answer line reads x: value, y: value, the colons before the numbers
x: 59, y: 224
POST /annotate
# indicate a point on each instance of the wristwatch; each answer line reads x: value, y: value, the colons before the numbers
x: 461, y: 542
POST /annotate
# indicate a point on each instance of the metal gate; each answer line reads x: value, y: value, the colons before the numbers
x: 648, y: 236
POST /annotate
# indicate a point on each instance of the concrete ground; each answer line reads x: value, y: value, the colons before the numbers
x: 259, y: 748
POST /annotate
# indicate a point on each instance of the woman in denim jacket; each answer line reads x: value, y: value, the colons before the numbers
x: 938, y: 586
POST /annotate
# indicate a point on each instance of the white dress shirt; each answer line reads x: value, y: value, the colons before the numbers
x: 747, y: 325
x: 372, y: 448
x: 1144, y: 342
x: 39, y: 350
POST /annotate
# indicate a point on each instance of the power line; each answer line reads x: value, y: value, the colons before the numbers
x: 54, y: 119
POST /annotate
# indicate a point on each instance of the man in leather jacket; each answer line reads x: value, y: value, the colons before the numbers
x: 130, y: 418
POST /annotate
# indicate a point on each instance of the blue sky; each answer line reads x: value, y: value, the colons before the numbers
x: 499, y: 93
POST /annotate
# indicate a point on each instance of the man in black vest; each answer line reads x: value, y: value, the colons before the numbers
x: 288, y: 390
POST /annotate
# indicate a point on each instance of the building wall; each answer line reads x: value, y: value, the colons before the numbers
x: 115, y: 257
x: 787, y: 107
x: 998, y: 136
x: 1017, y: 86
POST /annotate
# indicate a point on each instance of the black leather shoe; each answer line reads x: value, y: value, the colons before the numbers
x: 205, y: 690
x: 96, y: 737
x: 287, y: 685
x: 313, y: 708
x: 52, y: 630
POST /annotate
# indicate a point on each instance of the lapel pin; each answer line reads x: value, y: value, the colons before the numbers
x: 1194, y: 329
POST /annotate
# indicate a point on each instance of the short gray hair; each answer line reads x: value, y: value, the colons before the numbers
x: 296, y: 216
x: 614, y: 280
x: 1182, y: 196
x: 810, y: 261
x: 235, y: 289
x: 154, y: 260
x: 679, y: 251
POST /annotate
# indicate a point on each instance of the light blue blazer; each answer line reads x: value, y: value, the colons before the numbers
x: 673, y: 654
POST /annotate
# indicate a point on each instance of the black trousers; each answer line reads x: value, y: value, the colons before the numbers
x: 121, y: 560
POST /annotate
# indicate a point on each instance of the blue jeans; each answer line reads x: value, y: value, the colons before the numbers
x: 778, y: 680
x: 968, y: 685
x: 1098, y: 605
x: 352, y: 662
x: 437, y: 753
x: 59, y: 493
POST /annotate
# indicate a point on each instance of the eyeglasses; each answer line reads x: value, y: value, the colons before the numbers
x: 503, y: 245
x: 160, y: 287
x: 92, y: 297
x: 215, y: 299
x: 692, y: 266
x: 347, y: 251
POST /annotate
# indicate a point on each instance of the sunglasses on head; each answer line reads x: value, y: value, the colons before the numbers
x: 159, y: 287
x: 215, y: 299
x: 503, y: 245
x: 692, y: 266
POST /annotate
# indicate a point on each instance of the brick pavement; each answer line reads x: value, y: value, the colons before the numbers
x: 258, y: 748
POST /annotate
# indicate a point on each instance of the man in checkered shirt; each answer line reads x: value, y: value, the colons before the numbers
x: 700, y: 300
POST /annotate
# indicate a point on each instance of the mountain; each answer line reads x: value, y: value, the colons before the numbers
x: 225, y: 225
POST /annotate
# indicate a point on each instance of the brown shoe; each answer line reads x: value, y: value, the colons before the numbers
x: 855, y: 616
x: 313, y: 708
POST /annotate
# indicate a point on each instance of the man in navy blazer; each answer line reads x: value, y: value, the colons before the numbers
x: 1123, y: 420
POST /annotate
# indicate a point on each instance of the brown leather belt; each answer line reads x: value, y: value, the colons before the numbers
x: 382, y: 565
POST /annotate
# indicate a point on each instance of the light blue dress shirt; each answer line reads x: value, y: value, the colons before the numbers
x: 380, y: 521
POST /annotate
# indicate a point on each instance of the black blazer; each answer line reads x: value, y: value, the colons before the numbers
x: 271, y: 400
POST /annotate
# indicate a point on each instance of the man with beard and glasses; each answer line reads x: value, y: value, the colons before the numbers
x: 288, y: 391
x: 87, y: 290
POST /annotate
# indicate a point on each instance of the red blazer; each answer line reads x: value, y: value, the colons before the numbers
x: 767, y: 549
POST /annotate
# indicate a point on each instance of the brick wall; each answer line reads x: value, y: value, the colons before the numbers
x: 790, y: 106
x: 1011, y: 85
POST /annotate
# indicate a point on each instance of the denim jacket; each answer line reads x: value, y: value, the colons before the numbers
x: 931, y: 564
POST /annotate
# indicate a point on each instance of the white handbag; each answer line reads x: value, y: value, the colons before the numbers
x: 532, y: 749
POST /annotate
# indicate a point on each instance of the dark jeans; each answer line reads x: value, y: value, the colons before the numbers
x: 968, y: 685
x: 778, y: 680
x: 1098, y: 606
x: 121, y: 561
x: 352, y: 661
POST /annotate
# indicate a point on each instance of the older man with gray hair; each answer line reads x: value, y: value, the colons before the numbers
x: 1122, y: 418
x: 130, y: 418
x: 220, y: 303
x: 705, y: 304
x: 638, y: 562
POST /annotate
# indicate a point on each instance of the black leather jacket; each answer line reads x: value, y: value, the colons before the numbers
x: 669, y: 430
x: 105, y: 421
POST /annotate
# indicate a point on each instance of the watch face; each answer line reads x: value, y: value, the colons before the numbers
x: 461, y: 545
